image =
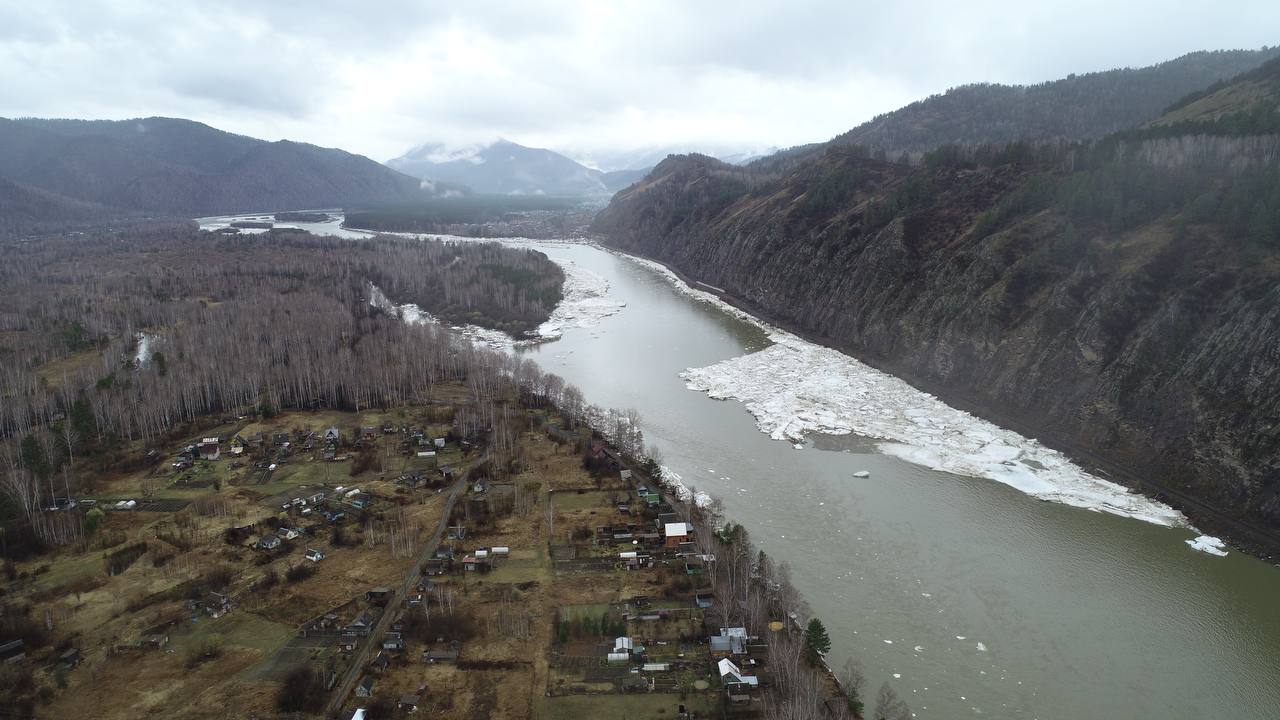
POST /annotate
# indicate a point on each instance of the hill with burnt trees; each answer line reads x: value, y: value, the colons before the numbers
x: 1118, y: 299
x: 178, y: 167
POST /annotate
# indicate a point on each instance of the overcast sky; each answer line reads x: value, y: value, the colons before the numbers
x: 379, y: 77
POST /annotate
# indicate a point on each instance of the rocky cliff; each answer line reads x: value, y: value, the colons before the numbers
x: 1080, y: 301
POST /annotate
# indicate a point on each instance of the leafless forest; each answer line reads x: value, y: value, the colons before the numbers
x: 118, y: 338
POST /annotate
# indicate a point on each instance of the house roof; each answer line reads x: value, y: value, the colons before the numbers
x: 730, y: 671
x: 677, y: 529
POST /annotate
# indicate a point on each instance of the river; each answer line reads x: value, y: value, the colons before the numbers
x: 969, y: 596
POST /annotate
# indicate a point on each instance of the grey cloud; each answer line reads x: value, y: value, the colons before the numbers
x: 377, y: 77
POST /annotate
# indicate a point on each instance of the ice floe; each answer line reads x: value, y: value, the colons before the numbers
x: 585, y: 303
x: 1209, y: 544
x: 796, y: 387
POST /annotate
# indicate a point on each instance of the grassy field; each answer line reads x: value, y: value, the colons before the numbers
x: 587, y: 500
x: 53, y: 372
x: 235, y: 629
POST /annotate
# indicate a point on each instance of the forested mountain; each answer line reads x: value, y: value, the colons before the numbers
x: 180, y: 167
x: 1116, y: 298
x: 504, y: 167
x: 1076, y: 107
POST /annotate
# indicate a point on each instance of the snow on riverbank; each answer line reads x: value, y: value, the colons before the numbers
x: 683, y: 491
x: 797, y: 387
x: 585, y: 295
x: 585, y: 302
x: 414, y: 315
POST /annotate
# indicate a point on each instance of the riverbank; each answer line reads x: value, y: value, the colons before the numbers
x: 1241, y: 535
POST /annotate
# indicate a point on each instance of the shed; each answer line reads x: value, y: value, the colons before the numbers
x: 408, y: 703
x: 209, y: 449
x: 392, y: 642
x: 440, y: 656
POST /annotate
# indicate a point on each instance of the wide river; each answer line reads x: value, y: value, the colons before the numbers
x: 970, y: 597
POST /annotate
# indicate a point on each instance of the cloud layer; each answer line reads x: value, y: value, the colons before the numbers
x: 379, y: 77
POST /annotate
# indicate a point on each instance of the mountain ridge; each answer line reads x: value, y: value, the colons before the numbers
x: 1079, y: 106
x: 183, y: 167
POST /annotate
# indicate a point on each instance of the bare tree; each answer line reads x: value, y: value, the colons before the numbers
x: 889, y: 706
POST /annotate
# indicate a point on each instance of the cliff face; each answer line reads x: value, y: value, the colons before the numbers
x: 1154, y: 348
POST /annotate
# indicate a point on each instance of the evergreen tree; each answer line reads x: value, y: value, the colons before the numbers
x: 816, y: 641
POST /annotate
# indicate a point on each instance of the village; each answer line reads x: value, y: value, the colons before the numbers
x: 386, y: 564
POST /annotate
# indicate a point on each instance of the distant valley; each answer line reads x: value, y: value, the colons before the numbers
x: 507, y: 168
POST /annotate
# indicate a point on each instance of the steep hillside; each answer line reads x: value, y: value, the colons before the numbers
x: 1077, y: 107
x: 27, y: 210
x: 163, y: 165
x: 1119, y: 300
x: 503, y: 167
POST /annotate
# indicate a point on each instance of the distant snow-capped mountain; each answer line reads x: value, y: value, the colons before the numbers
x: 503, y: 167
